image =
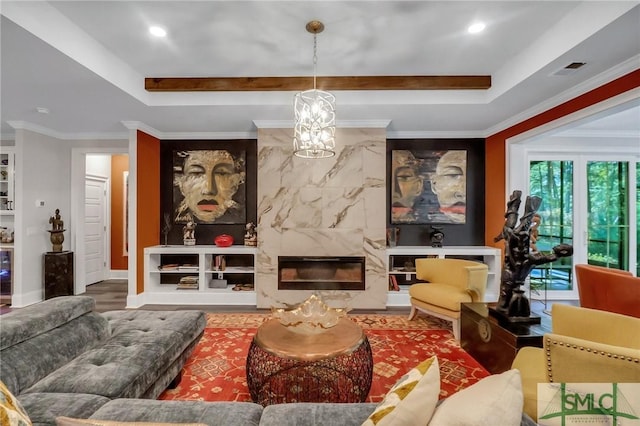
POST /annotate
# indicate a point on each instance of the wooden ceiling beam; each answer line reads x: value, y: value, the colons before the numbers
x: 296, y: 84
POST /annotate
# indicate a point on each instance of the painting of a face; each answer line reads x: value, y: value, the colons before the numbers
x: 209, y: 181
x: 449, y: 183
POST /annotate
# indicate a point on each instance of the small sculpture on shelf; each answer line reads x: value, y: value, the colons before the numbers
x: 436, y: 236
x: 57, y: 231
x: 519, y: 259
x: 188, y: 233
x: 250, y: 235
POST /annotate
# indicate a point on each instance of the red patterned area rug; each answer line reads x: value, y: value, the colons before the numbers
x: 215, y: 371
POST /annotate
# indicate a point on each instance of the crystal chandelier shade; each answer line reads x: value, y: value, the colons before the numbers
x: 315, y: 117
x: 314, y: 133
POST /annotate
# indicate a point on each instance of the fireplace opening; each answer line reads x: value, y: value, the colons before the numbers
x: 320, y: 273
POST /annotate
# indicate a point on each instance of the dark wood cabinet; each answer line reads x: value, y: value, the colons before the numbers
x: 58, y: 274
x: 493, y: 341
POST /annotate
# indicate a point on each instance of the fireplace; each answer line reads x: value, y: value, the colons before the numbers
x: 321, y: 273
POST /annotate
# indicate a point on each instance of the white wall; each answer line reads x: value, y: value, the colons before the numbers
x: 43, y: 172
x: 99, y: 165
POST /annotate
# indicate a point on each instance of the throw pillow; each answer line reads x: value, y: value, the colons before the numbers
x: 494, y: 400
x: 11, y: 412
x: 412, y: 399
x: 68, y: 421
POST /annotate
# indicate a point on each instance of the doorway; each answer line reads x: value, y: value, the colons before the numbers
x: 588, y: 183
x: 96, y: 238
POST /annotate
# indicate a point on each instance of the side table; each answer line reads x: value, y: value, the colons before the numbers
x: 285, y: 366
x: 58, y: 274
x: 494, y: 342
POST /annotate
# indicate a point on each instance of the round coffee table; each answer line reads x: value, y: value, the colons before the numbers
x: 334, y: 366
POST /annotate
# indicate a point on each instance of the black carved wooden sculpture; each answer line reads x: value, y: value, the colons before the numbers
x: 519, y: 260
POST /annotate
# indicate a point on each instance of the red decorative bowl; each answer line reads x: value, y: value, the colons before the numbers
x: 223, y: 240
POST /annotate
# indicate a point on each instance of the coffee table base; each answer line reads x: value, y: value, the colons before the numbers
x: 276, y: 380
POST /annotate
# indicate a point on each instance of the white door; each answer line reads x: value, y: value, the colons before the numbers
x: 95, y: 230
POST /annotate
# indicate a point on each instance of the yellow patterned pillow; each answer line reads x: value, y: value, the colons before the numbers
x: 11, y: 412
x: 412, y: 400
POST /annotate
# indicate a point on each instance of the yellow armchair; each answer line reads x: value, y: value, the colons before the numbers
x: 585, y: 346
x: 451, y: 282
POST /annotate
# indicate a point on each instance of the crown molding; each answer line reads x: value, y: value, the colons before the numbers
x: 138, y: 125
x: 435, y: 135
x: 601, y: 79
x: 25, y: 125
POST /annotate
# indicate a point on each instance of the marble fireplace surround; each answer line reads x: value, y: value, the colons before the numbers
x: 324, y: 207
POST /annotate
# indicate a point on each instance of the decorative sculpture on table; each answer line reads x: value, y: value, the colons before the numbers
x: 519, y: 259
x: 57, y: 231
x: 312, y: 316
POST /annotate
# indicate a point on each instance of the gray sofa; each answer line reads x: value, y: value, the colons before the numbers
x: 59, y: 357
x: 62, y: 359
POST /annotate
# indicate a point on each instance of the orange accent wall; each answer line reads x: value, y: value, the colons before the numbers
x: 119, y: 165
x: 495, y: 148
x: 148, y: 200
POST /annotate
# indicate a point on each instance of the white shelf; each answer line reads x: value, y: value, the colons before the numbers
x: 492, y: 257
x: 164, y: 291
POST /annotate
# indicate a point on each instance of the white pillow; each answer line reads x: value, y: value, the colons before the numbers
x: 412, y: 399
x: 494, y: 400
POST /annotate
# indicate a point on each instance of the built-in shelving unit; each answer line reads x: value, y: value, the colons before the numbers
x: 199, y: 275
x: 7, y: 186
x: 401, y: 267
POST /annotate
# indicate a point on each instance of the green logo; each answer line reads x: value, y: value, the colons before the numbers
x: 591, y: 407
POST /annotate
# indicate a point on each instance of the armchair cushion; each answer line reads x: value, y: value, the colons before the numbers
x: 442, y: 295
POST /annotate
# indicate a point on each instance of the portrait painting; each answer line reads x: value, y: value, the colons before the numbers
x: 428, y: 186
x: 209, y: 187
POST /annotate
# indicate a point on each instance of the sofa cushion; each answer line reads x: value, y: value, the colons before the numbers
x: 412, y: 399
x: 494, y: 400
x: 23, y: 324
x: 27, y: 362
x: 210, y: 413
x: 325, y: 414
x: 43, y: 408
x: 142, y: 345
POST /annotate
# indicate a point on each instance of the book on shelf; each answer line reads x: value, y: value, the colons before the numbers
x: 188, y: 283
x: 168, y: 267
x: 188, y: 267
x: 393, y: 283
x: 219, y: 263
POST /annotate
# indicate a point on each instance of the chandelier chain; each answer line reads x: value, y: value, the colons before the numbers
x: 315, y: 59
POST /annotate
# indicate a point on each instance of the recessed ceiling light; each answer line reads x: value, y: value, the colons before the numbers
x: 476, y: 28
x: 42, y: 110
x: 158, y: 31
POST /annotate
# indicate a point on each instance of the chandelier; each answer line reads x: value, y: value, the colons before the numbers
x: 315, y: 117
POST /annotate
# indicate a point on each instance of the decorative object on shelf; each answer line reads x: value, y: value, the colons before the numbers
x: 57, y: 231
x: 6, y: 236
x: 166, y: 228
x: 223, y: 240
x: 188, y: 233
x: 436, y: 236
x: 315, y: 117
x: 312, y: 316
x: 393, y: 236
x: 250, y: 235
x: 519, y: 259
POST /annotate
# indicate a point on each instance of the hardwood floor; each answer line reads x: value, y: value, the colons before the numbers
x: 111, y: 295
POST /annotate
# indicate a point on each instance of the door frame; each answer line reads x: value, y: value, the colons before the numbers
x: 77, y: 217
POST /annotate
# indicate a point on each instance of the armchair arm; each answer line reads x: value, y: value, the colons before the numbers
x: 530, y: 362
x: 477, y: 281
x: 570, y: 359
